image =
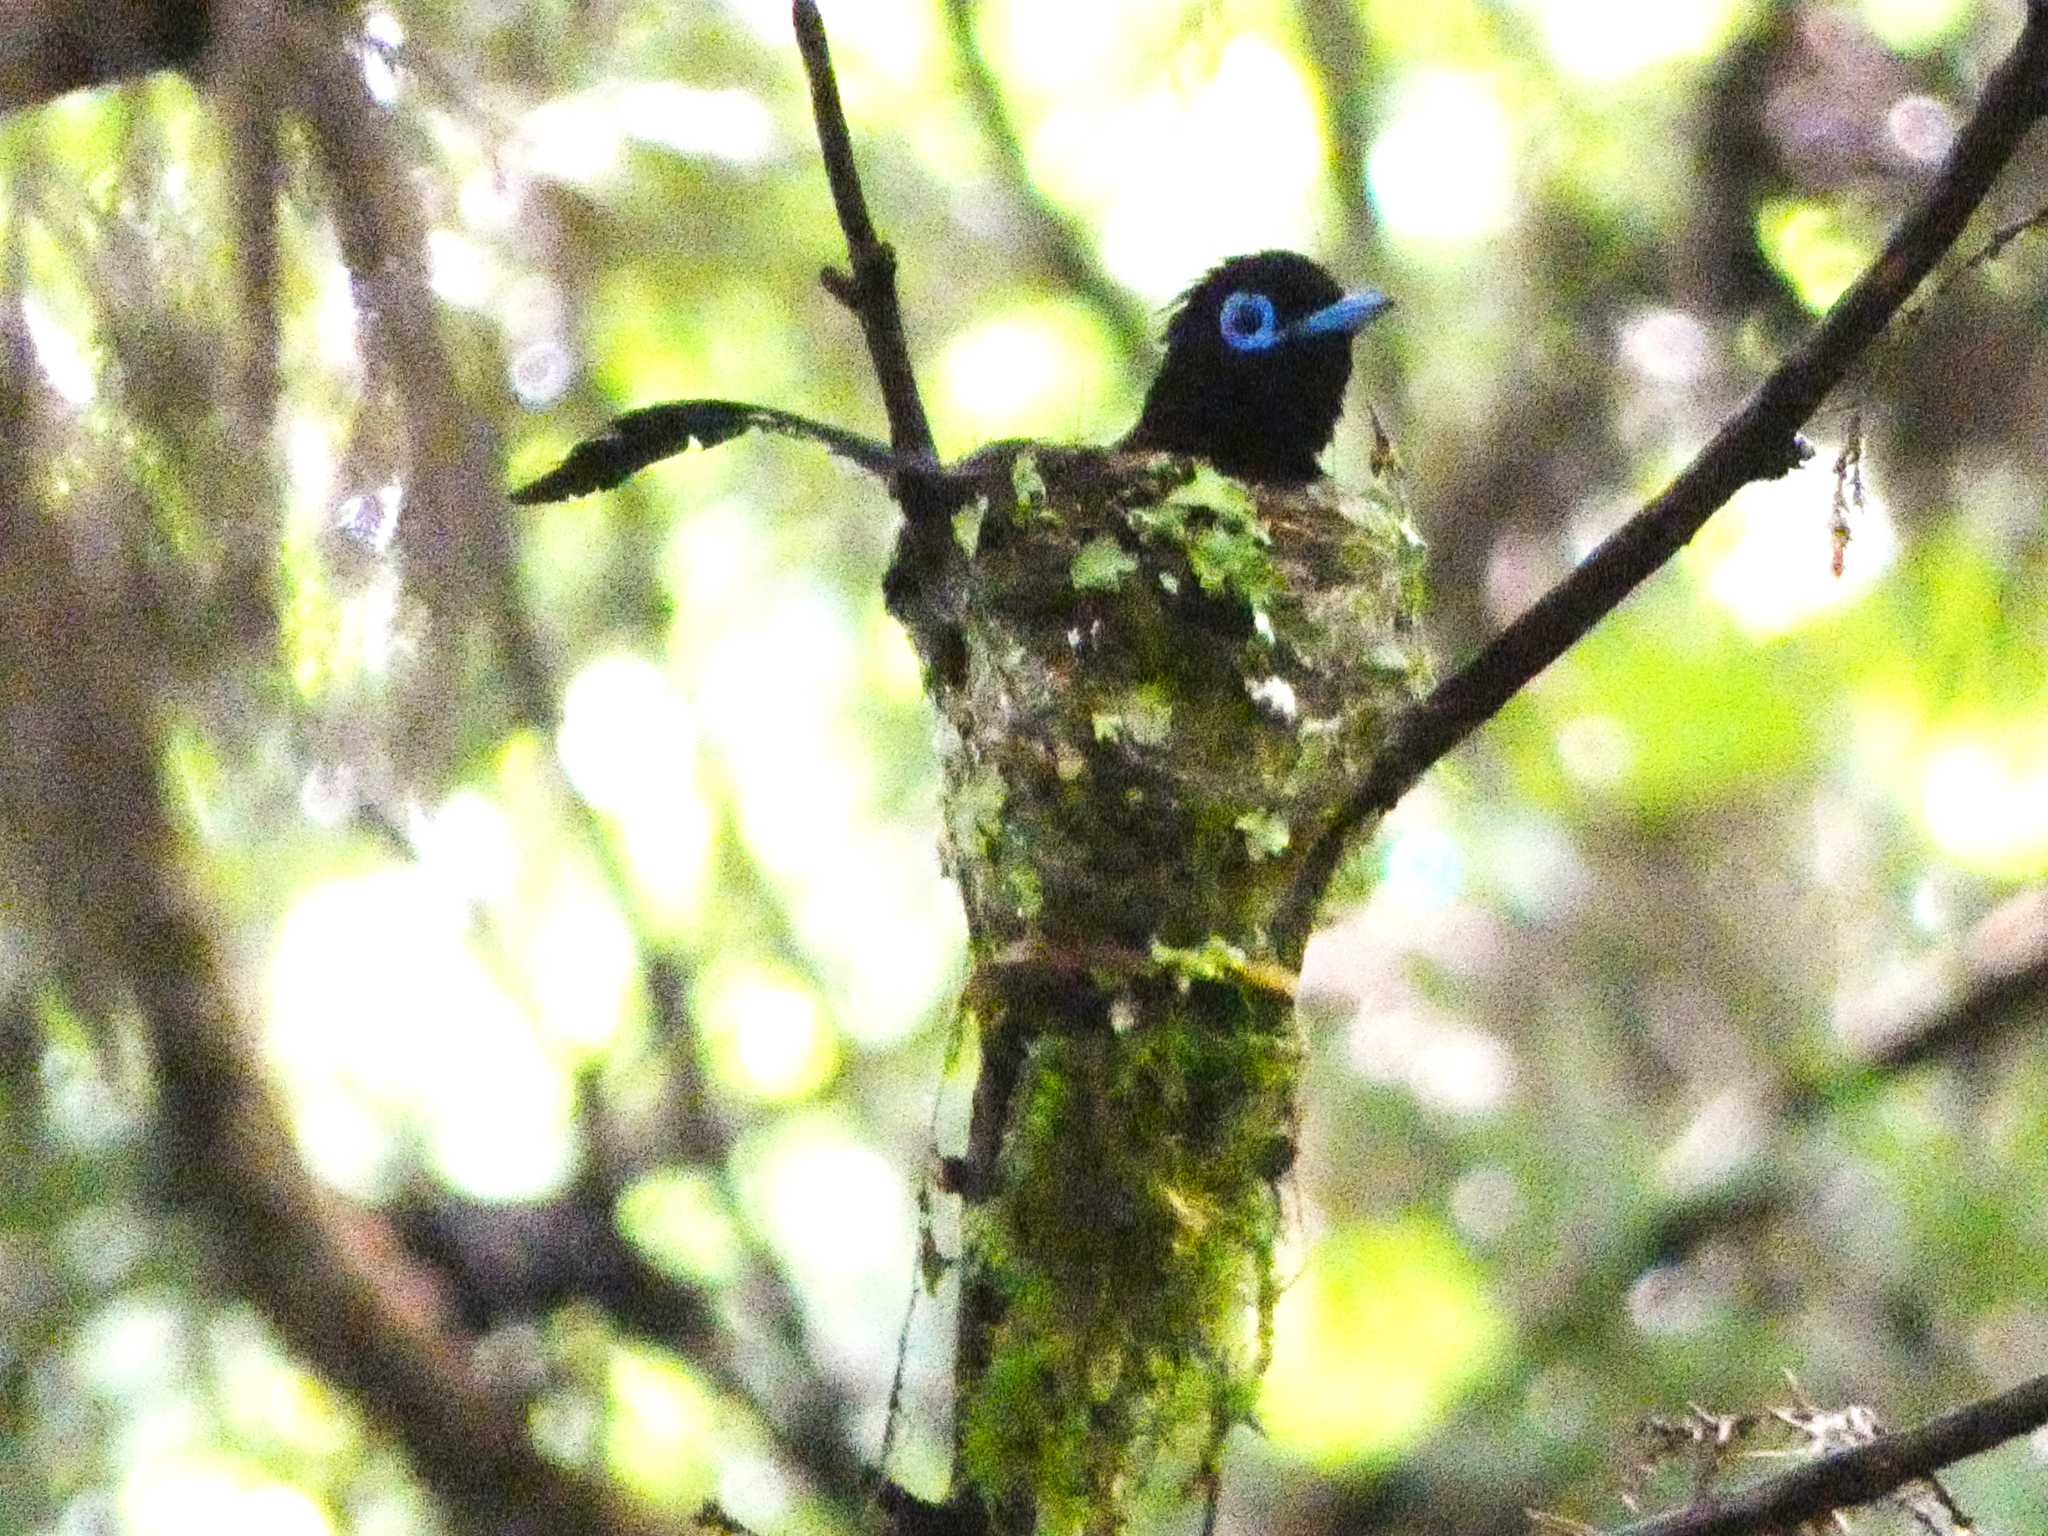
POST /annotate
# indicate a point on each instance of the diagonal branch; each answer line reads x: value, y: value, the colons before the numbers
x: 1862, y: 1474
x: 1759, y: 442
x: 871, y: 292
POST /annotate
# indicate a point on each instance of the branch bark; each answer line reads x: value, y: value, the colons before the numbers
x: 80, y: 683
x: 1758, y: 442
x: 1859, y: 1475
x: 871, y: 291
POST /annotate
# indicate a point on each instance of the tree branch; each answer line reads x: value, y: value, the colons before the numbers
x: 2000, y: 970
x: 1758, y: 442
x: 1859, y: 1475
x: 871, y: 291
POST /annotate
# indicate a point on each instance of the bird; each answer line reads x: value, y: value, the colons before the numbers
x: 1258, y: 353
x: 1257, y: 356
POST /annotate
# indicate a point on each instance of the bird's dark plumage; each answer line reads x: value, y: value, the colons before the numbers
x: 1257, y: 356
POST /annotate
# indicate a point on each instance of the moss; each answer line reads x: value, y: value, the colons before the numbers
x: 967, y: 525
x: 1131, y: 1240
x: 1168, y: 682
x: 1101, y: 565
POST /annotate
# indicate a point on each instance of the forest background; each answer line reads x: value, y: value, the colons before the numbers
x: 572, y: 871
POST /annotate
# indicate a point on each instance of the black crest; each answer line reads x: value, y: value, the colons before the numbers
x: 1257, y: 356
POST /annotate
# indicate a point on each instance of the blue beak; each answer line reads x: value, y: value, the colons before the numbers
x: 1347, y: 317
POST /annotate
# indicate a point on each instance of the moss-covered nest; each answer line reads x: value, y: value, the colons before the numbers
x: 1156, y: 687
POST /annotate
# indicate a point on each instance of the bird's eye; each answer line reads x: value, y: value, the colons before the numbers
x: 1248, y: 322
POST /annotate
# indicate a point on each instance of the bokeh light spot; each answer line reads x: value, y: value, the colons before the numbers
x: 1767, y: 558
x: 1021, y: 373
x: 1912, y: 26
x: 1807, y: 243
x: 381, y: 1012
x: 1443, y: 169
x: 660, y: 1424
x: 1375, y: 1341
x: 765, y: 1030
x: 1609, y: 40
x: 1984, y: 798
x: 677, y: 1216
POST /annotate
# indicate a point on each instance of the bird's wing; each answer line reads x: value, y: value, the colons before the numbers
x: 654, y: 432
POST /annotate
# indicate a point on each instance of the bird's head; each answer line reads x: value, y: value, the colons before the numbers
x: 1257, y: 356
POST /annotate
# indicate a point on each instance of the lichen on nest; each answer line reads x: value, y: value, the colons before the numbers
x: 1155, y: 686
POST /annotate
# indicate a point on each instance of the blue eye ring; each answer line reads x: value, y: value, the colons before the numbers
x: 1248, y: 323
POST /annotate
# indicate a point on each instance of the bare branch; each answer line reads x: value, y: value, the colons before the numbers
x: 871, y: 293
x: 1861, y: 1474
x: 1758, y: 442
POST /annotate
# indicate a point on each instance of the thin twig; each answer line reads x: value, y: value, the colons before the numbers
x: 1861, y: 1474
x: 871, y: 292
x: 1758, y: 442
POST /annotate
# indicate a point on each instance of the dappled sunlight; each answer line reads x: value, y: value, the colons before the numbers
x: 1442, y: 169
x: 678, y: 1217
x: 211, y: 1495
x: 841, y: 1214
x: 1034, y: 371
x: 583, y: 138
x: 865, y: 896
x: 62, y: 351
x: 1809, y: 243
x: 382, y: 1017
x: 628, y: 743
x: 1193, y: 168
x: 1608, y: 41
x: 659, y: 1426
x: 1374, y: 1341
x: 578, y: 877
x: 1913, y: 25
x: 1768, y: 557
x: 764, y: 1030
x: 1984, y: 798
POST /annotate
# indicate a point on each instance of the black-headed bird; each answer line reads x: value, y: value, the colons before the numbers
x: 1257, y: 356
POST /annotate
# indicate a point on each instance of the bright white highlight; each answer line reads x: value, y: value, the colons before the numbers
x: 582, y: 138
x: 766, y: 1031
x: 780, y: 666
x: 728, y: 124
x: 1768, y: 557
x: 1184, y: 177
x: 179, y: 1495
x: 380, y: 1012
x: 1609, y: 40
x: 459, y: 270
x: 629, y: 746
x: 66, y: 362
x: 1443, y: 169
x: 1985, y: 802
x: 1002, y: 371
x: 840, y: 1213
